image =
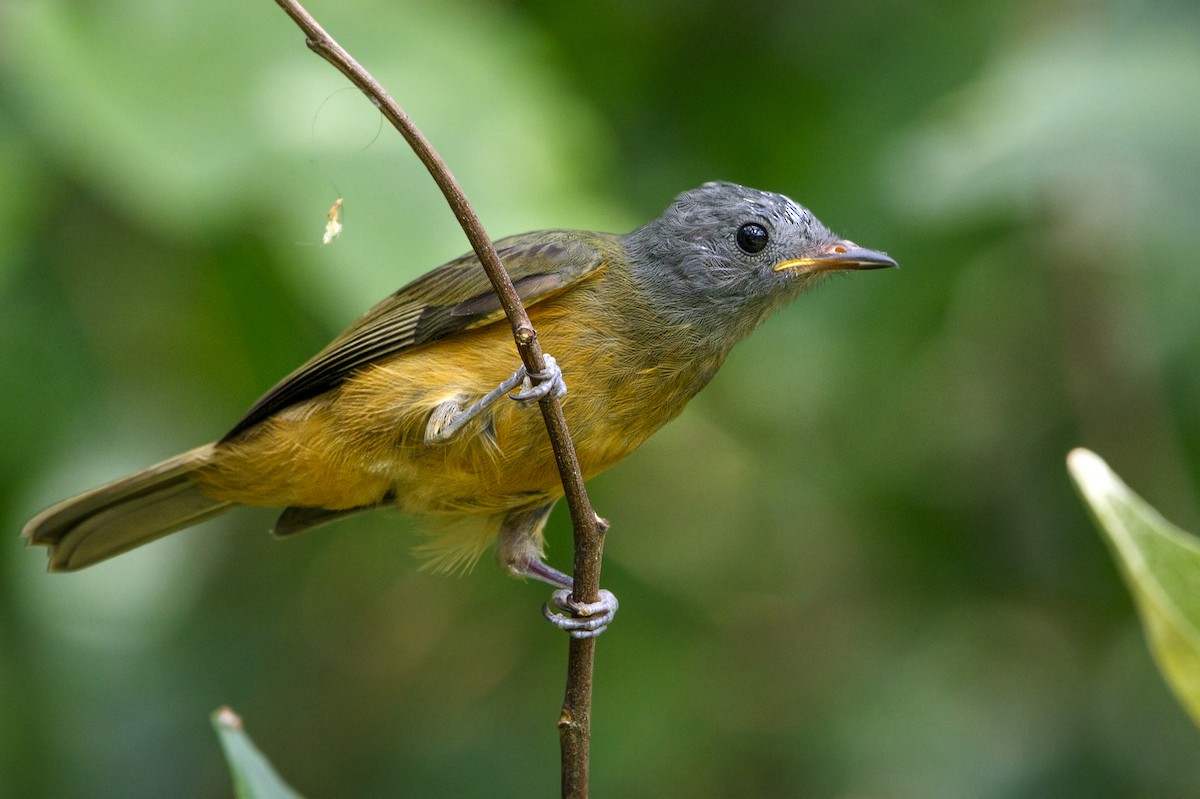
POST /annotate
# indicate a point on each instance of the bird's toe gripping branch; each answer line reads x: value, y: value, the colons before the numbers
x: 549, y: 383
x: 448, y: 418
x: 586, y: 619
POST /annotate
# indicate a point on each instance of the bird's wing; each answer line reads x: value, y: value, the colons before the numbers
x: 456, y: 296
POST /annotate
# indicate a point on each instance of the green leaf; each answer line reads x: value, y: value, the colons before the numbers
x: 1160, y: 562
x: 253, y: 775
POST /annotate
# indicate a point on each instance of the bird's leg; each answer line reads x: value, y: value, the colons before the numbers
x: 448, y: 418
x: 519, y: 551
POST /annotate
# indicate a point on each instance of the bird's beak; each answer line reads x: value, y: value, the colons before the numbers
x: 838, y: 256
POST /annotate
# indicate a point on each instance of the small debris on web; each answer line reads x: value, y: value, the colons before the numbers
x: 333, y: 228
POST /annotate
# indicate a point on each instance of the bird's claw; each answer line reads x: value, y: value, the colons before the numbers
x: 549, y: 383
x: 585, y: 619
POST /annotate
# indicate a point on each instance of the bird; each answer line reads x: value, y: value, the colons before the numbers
x: 415, y: 406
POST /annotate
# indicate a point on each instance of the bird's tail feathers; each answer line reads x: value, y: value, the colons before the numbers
x: 124, y: 514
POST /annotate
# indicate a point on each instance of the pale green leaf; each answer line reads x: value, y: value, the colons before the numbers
x: 253, y: 775
x: 1160, y: 562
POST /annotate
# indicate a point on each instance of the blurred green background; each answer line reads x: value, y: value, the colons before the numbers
x: 854, y: 567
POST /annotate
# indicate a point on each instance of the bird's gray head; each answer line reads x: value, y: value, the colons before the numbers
x: 721, y: 257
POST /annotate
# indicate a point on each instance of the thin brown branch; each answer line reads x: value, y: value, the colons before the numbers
x: 575, y: 721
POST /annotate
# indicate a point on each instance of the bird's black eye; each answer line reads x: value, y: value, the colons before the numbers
x: 752, y: 238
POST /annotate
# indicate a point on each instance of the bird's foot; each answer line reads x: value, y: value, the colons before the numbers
x: 578, y: 619
x: 549, y: 383
x: 449, y: 417
x: 586, y: 619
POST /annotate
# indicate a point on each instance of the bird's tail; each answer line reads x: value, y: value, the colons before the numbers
x: 132, y: 511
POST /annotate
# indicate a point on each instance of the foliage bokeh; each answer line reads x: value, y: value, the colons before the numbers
x: 855, y: 566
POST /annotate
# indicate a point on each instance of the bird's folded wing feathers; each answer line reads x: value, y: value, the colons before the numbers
x: 456, y: 296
